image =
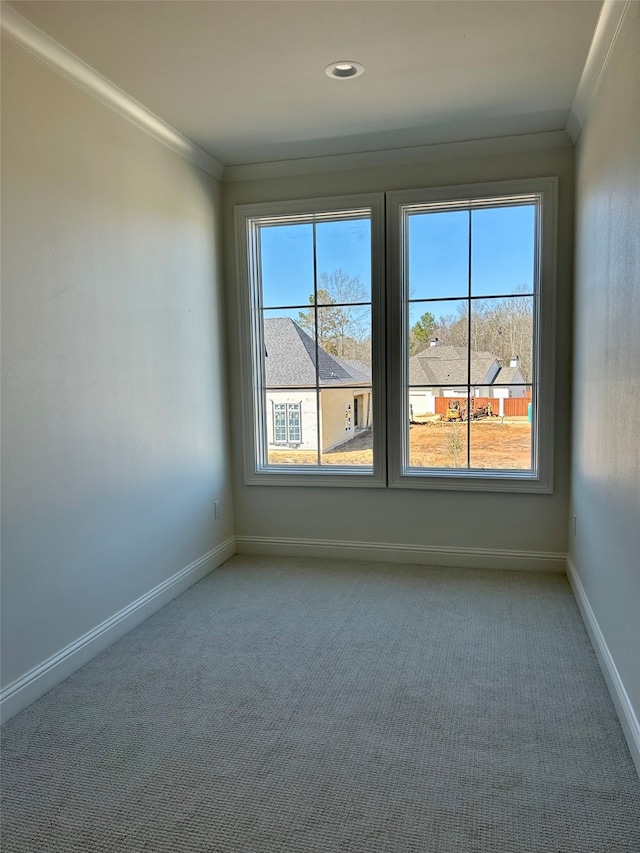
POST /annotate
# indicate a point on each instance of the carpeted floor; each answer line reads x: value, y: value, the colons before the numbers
x: 313, y: 706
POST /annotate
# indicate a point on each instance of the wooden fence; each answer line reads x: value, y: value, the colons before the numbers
x: 513, y: 406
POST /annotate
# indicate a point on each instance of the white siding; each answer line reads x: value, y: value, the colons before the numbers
x: 422, y: 402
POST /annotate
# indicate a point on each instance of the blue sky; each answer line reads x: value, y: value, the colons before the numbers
x: 287, y: 257
x: 502, y: 251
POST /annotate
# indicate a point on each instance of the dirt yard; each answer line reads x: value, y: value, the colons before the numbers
x: 436, y: 444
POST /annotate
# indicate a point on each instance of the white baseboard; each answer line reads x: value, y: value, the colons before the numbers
x: 624, y: 708
x: 42, y: 678
x: 427, y: 555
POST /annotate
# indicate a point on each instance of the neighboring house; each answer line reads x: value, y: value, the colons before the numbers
x: 293, y: 416
x: 446, y: 368
x: 510, y: 379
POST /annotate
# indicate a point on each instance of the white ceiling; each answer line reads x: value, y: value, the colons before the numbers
x: 244, y: 79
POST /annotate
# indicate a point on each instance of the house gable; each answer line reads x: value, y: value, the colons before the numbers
x: 447, y: 365
x: 290, y: 359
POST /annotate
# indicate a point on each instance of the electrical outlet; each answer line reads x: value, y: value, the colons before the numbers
x: 216, y: 509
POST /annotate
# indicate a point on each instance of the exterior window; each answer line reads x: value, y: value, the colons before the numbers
x: 439, y: 363
x: 286, y: 424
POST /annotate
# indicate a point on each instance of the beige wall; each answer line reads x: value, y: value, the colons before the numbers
x: 606, y: 402
x: 493, y: 521
x: 333, y: 405
x: 114, y: 411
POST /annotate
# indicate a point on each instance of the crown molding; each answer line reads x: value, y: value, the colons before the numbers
x: 604, y: 39
x: 31, y: 39
x: 400, y: 156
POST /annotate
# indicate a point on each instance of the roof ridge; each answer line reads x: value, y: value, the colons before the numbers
x: 460, y: 352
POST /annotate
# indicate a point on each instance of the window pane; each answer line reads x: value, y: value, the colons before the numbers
x: 286, y: 262
x: 292, y: 426
x: 503, y: 328
x: 289, y: 350
x: 280, y: 423
x: 286, y: 313
x: 291, y: 410
x: 503, y: 250
x: 343, y: 253
x: 437, y: 428
x: 344, y: 345
x: 438, y: 254
x: 444, y: 323
x: 501, y: 430
x: 347, y: 426
x: 446, y: 366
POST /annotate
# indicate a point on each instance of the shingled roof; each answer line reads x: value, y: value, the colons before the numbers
x: 290, y: 359
x: 508, y: 375
x: 447, y: 365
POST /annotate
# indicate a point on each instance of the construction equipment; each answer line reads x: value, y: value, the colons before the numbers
x: 485, y: 411
x: 462, y: 410
x: 456, y: 411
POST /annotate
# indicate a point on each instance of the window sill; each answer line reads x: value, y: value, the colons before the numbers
x: 364, y: 477
x: 512, y: 481
x: 471, y: 481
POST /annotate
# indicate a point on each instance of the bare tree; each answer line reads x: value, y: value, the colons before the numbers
x: 338, y: 316
x: 501, y: 326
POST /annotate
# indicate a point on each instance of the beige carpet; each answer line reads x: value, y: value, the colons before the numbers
x: 313, y: 706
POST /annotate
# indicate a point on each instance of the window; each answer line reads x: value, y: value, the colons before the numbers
x: 434, y: 371
x: 286, y: 424
x: 314, y: 360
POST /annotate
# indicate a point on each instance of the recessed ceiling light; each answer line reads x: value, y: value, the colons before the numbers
x: 344, y: 69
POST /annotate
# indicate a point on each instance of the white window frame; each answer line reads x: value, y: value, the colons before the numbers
x: 540, y: 479
x: 388, y: 337
x: 256, y: 469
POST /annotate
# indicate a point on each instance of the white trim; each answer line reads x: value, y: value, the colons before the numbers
x: 42, y: 678
x: 427, y: 555
x: 623, y: 706
x: 27, y: 36
x: 400, y: 156
x: 604, y: 39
